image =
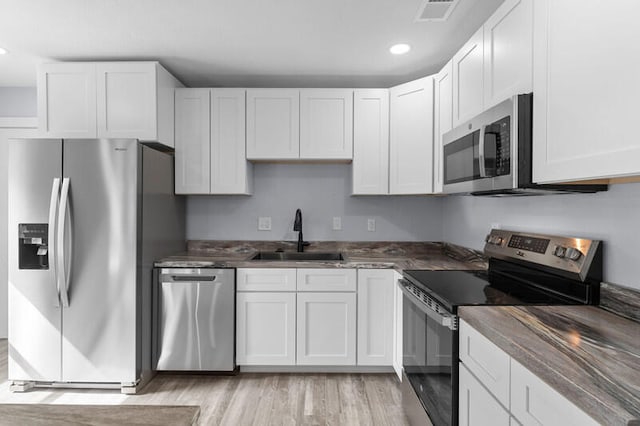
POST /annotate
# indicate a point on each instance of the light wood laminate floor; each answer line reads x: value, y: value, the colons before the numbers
x: 248, y: 399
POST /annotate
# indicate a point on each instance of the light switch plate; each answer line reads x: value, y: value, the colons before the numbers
x: 337, y: 223
x: 371, y: 225
x: 264, y: 223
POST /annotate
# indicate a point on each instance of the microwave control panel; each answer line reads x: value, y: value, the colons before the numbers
x: 497, y: 142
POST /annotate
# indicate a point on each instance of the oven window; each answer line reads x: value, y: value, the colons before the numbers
x: 461, y: 159
x: 428, y: 350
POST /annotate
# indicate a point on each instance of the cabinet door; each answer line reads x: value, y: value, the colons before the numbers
x: 585, y: 123
x: 397, y: 326
x: 411, y: 139
x: 468, y: 84
x: 326, y: 279
x: 326, y: 329
x: 127, y: 100
x: 533, y: 402
x: 371, y: 141
x: 508, y: 50
x: 230, y: 171
x: 67, y: 100
x: 476, y: 406
x: 192, y: 141
x: 266, y: 329
x: 487, y: 361
x: 375, y: 316
x: 273, y: 124
x: 443, y: 119
x: 326, y: 124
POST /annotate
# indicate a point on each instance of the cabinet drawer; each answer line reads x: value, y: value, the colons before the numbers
x: 533, y: 402
x: 265, y: 279
x: 486, y: 361
x: 326, y: 280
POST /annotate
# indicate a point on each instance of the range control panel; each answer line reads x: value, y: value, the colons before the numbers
x: 572, y: 255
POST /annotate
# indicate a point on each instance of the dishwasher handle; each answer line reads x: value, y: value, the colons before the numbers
x: 187, y: 278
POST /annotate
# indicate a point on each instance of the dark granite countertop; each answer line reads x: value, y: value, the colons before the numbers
x: 371, y: 255
x: 586, y: 353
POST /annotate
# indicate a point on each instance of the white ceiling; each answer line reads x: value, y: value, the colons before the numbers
x: 279, y: 43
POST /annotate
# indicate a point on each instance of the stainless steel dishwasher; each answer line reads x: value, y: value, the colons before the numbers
x: 195, y: 319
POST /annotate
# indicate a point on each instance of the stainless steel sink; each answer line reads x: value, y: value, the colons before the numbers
x: 292, y: 255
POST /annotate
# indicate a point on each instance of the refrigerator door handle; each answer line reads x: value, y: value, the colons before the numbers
x: 63, y: 255
x: 53, y: 211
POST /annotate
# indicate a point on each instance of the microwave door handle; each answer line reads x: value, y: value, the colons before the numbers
x: 481, y: 159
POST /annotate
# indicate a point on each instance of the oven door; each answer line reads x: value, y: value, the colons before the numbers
x: 430, y: 354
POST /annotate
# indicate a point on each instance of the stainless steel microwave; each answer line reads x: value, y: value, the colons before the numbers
x: 491, y: 154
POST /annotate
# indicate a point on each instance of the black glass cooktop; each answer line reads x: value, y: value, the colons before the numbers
x: 460, y: 288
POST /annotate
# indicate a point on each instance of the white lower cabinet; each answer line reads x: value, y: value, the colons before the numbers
x: 489, y: 371
x: 375, y: 316
x: 533, y: 402
x: 266, y: 329
x: 477, y: 407
x: 326, y: 329
x: 397, y: 325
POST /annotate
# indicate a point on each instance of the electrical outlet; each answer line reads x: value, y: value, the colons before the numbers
x: 264, y: 223
x: 337, y: 223
x: 371, y: 225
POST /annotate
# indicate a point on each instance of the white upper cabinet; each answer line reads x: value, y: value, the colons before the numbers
x: 508, y: 51
x: 411, y: 138
x: 442, y: 119
x: 584, y: 117
x: 326, y: 124
x: 273, y: 124
x: 192, y: 150
x: 210, y: 142
x: 468, y: 79
x: 126, y: 100
x: 230, y: 171
x: 371, y: 141
x: 67, y: 100
x: 107, y: 100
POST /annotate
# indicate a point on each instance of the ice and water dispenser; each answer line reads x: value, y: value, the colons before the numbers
x: 33, y: 243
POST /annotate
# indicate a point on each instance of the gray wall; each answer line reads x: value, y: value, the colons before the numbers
x: 322, y: 191
x: 612, y: 216
x: 18, y: 102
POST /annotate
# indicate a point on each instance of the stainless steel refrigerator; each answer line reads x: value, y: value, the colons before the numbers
x: 86, y: 220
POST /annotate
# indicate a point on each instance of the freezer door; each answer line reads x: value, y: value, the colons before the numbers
x: 197, y: 321
x: 34, y: 309
x: 100, y: 229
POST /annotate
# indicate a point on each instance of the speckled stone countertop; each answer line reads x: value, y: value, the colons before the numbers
x: 372, y: 255
x: 586, y: 353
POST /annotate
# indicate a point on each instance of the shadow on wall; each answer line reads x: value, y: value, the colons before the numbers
x: 610, y: 216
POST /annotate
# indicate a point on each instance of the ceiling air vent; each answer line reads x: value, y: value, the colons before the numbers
x: 435, y: 10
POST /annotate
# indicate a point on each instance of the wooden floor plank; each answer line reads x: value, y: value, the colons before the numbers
x: 248, y: 398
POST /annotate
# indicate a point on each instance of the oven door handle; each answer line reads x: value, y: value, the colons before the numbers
x: 448, y: 321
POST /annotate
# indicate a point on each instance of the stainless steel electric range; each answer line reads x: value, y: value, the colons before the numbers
x: 524, y: 269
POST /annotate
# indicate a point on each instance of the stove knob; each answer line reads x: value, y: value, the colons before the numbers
x: 487, y: 238
x: 573, y: 253
x: 560, y: 251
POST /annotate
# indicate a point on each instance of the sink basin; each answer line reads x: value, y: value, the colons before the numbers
x: 292, y: 255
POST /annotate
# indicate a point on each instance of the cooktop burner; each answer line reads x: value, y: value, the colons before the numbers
x: 460, y: 288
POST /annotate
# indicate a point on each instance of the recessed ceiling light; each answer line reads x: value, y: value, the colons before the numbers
x: 399, y: 49
x: 3, y: 51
